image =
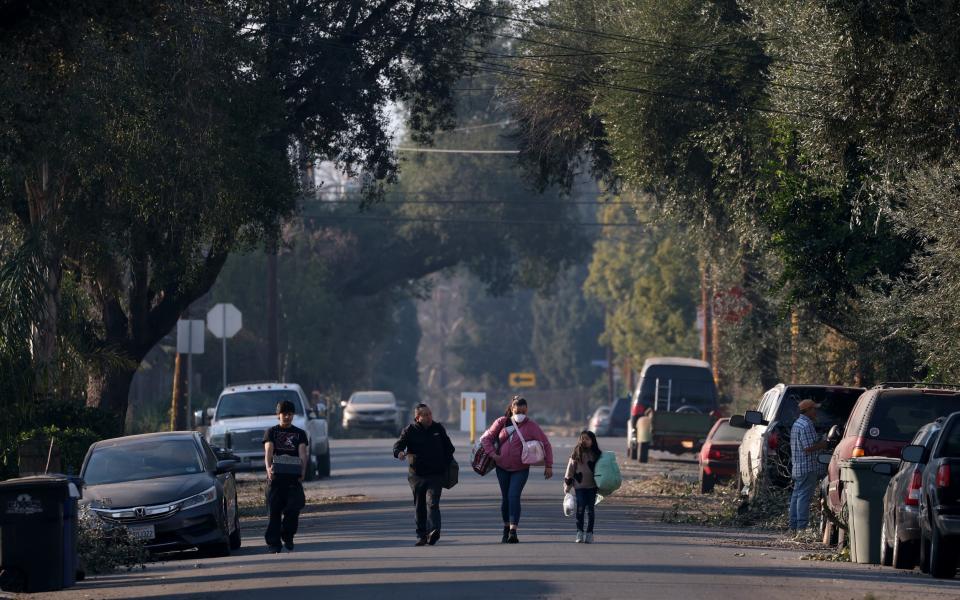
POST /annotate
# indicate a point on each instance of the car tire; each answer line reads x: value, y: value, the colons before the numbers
x: 886, y: 552
x: 943, y: 557
x: 706, y: 482
x: 236, y: 539
x: 323, y: 464
x: 311, y: 470
x: 904, y: 553
x: 644, y: 452
x: 924, y: 552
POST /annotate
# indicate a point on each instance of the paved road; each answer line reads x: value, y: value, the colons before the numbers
x: 364, y: 550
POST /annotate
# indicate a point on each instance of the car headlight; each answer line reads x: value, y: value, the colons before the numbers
x: 219, y: 440
x: 205, y: 497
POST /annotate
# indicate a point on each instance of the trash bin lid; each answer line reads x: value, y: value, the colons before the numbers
x: 33, y: 482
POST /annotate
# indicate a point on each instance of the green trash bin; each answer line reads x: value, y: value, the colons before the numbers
x: 864, y: 483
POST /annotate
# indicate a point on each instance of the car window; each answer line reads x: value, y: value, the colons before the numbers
x: 836, y: 404
x: 951, y: 442
x: 257, y: 403
x: 147, y: 459
x: 725, y: 433
x: 856, y: 417
x: 209, y: 455
x: 372, y: 398
x: 620, y: 410
x: 898, y: 416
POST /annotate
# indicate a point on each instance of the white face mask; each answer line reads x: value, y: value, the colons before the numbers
x: 519, y: 417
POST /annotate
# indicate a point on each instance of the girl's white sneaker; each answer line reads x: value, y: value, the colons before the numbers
x: 580, y: 537
x: 588, y: 539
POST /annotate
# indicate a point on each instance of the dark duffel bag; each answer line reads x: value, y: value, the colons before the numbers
x: 452, y: 475
x: 482, y: 462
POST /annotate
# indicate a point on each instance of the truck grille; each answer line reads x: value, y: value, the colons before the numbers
x: 250, y: 440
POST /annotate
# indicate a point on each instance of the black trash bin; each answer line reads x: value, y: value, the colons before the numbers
x: 38, y: 533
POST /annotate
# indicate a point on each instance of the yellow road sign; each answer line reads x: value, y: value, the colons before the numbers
x: 523, y: 380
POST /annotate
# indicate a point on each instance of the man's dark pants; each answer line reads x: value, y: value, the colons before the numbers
x: 285, y: 500
x: 426, y: 498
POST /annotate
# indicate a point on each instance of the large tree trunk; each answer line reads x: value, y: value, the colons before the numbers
x: 109, y: 391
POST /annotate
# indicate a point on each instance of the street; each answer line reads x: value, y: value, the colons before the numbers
x: 365, y: 550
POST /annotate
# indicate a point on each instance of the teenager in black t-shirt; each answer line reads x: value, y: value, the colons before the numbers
x: 285, y: 450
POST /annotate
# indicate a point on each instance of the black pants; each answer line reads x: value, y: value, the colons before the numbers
x: 285, y: 500
x: 586, y: 499
x: 426, y: 498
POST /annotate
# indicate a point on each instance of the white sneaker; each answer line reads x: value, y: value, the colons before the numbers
x: 588, y: 539
x: 580, y: 537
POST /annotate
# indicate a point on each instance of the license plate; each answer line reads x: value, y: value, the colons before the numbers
x: 143, y: 533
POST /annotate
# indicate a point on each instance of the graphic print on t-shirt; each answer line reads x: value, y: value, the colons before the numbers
x: 286, y: 441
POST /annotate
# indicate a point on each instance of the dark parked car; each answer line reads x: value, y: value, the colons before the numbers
x: 900, y: 534
x: 169, y: 490
x: 619, y: 413
x: 884, y: 420
x: 718, y: 456
x: 765, y: 451
x: 939, y: 499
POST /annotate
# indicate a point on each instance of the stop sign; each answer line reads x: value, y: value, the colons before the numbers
x: 224, y: 320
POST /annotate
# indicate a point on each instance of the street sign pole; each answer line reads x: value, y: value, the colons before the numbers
x: 190, y: 382
x: 224, y: 322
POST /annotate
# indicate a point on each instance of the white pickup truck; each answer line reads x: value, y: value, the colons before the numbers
x: 244, y: 412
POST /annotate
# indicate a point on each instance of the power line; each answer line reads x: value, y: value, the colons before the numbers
x: 391, y: 219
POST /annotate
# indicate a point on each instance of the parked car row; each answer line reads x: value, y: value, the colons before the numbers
x: 921, y: 504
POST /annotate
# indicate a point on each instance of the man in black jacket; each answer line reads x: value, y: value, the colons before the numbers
x: 428, y: 449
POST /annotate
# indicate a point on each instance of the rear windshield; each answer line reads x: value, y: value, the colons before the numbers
x: 725, y: 433
x: 679, y: 386
x: 255, y: 403
x: 836, y: 404
x: 898, y: 417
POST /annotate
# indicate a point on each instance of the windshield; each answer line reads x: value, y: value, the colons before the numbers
x: 951, y: 442
x: 898, y: 416
x: 836, y: 404
x: 149, y: 459
x: 372, y: 398
x: 255, y: 403
x: 725, y: 433
x: 679, y: 386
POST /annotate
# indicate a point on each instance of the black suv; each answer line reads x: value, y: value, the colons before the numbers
x: 900, y: 533
x: 765, y: 450
x: 939, y: 499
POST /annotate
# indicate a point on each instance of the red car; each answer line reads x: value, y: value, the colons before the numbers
x: 719, y: 454
x: 884, y: 420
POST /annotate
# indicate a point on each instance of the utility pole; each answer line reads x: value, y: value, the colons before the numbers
x: 176, y: 401
x: 611, y: 396
x: 706, y: 339
x: 794, y: 342
x: 273, y: 314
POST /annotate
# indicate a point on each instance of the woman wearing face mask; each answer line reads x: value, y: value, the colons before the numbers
x: 510, y: 432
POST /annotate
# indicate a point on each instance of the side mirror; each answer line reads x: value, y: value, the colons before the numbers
x: 321, y: 409
x: 739, y: 422
x: 210, y: 412
x: 824, y: 459
x: 225, y: 466
x: 343, y: 404
x: 754, y: 417
x: 835, y: 433
x: 883, y: 468
x: 914, y: 454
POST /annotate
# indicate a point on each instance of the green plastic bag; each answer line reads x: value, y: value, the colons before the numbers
x: 607, y: 474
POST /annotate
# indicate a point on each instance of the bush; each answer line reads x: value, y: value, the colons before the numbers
x: 73, y: 443
x: 104, y: 548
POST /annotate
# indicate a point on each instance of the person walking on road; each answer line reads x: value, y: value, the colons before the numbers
x: 579, y: 479
x: 504, y: 441
x: 428, y: 449
x: 806, y: 468
x: 285, y: 453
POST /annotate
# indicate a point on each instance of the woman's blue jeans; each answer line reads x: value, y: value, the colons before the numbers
x: 511, y: 486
